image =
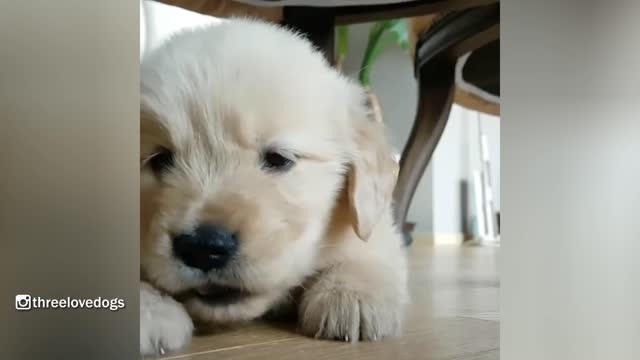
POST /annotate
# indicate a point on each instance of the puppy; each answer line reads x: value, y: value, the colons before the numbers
x: 262, y: 173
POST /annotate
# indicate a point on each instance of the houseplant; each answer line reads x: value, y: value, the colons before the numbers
x: 382, y: 35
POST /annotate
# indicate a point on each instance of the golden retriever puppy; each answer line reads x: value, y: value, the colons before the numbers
x: 262, y: 173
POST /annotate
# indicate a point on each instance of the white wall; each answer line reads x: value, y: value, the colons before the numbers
x: 451, y: 166
x: 143, y: 30
x: 491, y: 128
x: 455, y: 159
x: 160, y: 21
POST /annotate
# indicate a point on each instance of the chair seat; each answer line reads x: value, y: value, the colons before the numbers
x: 345, y: 12
x: 477, y: 73
x: 321, y: 3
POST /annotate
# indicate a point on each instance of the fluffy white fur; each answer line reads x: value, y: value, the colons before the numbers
x: 216, y: 97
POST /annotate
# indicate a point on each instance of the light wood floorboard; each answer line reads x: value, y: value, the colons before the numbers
x: 453, y: 315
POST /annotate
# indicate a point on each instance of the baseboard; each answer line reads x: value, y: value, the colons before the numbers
x: 438, y: 238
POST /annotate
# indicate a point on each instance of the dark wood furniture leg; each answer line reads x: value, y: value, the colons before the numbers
x: 435, y: 94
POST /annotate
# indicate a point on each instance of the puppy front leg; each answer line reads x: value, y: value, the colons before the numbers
x: 356, y: 299
x: 165, y: 325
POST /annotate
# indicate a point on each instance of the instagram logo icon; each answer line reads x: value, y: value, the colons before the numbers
x: 23, y: 302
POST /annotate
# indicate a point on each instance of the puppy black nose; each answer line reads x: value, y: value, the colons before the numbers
x: 207, y: 247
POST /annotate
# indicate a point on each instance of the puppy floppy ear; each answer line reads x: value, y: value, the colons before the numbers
x: 373, y: 172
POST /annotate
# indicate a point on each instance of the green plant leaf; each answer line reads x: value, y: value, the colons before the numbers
x: 383, y: 42
x: 400, y: 32
x: 342, y: 41
x: 382, y: 35
x: 375, y: 33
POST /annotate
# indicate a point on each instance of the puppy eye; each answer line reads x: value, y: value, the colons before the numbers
x: 275, y: 161
x: 161, y: 162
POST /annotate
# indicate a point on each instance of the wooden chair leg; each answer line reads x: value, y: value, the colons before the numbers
x: 436, y: 89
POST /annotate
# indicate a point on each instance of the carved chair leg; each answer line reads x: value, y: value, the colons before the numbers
x: 436, y: 89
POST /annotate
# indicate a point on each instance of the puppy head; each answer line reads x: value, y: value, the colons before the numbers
x: 247, y: 138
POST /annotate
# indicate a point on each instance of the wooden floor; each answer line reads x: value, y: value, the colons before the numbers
x: 454, y: 315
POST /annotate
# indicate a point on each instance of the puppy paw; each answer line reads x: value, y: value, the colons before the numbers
x: 165, y: 325
x: 340, y: 308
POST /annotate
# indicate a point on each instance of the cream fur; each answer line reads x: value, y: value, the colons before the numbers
x: 216, y: 97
